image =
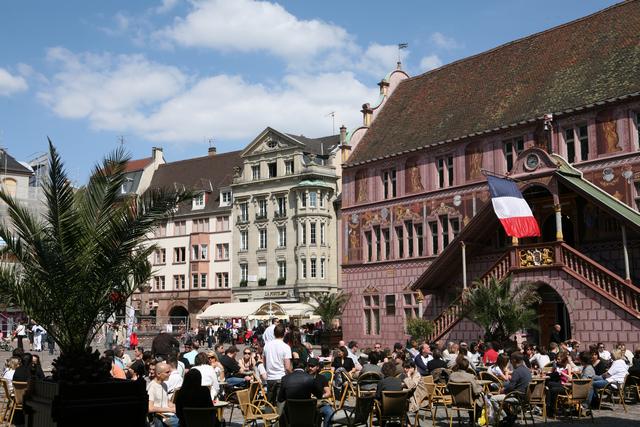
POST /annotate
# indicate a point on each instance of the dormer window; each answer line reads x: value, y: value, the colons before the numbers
x: 198, y: 201
x: 288, y: 166
x: 255, y: 172
x: 225, y: 198
x: 126, y: 186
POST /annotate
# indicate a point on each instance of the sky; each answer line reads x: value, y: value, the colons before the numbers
x: 182, y: 75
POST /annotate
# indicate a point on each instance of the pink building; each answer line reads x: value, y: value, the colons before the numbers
x: 559, y: 111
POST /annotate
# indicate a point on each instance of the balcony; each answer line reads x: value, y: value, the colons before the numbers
x: 261, y: 217
x: 278, y: 214
x: 242, y: 219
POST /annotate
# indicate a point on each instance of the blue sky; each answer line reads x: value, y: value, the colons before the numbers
x: 176, y: 73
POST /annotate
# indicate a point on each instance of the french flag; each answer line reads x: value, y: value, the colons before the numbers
x: 511, y: 209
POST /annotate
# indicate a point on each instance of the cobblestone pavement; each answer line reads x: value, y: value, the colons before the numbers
x: 607, y: 417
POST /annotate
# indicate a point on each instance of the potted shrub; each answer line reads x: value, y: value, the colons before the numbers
x: 74, y: 268
x: 262, y: 282
x: 329, y: 306
x: 419, y: 329
x: 243, y: 283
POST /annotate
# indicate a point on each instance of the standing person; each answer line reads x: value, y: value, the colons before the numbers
x: 159, y: 398
x: 164, y: 344
x: 37, y: 331
x: 269, y: 333
x: 51, y: 343
x: 109, y: 336
x: 556, y: 337
x: 133, y: 338
x: 277, y: 360
x: 20, y: 333
x: 211, y: 333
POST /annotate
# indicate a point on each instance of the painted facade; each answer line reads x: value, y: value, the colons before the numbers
x: 416, y: 179
x: 285, y: 230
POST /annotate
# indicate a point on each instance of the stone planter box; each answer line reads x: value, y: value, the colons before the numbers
x: 114, y: 403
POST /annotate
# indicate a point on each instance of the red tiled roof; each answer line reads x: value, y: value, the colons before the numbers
x: 138, y: 164
x: 592, y: 59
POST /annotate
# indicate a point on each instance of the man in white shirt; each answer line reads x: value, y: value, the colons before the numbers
x: 174, y: 381
x: 277, y: 360
x: 190, y: 352
x: 159, y: 402
x: 603, y: 353
x: 268, y: 334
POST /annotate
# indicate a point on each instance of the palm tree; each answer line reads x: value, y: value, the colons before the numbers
x: 329, y: 306
x: 79, y: 263
x: 500, y: 308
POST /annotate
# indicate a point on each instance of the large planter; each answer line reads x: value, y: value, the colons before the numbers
x: 114, y: 403
x: 330, y: 338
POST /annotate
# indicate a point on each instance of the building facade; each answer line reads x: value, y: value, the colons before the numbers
x: 564, y: 122
x: 192, y: 262
x: 285, y: 228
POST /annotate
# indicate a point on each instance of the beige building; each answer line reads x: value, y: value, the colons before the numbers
x: 192, y: 262
x: 285, y: 231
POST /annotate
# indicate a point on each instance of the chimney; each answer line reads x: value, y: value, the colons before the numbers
x: 343, y: 135
x: 367, y: 114
x: 156, y: 153
x: 384, y: 87
x: 211, y: 151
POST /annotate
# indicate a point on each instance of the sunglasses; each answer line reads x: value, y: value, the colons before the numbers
x: 247, y: 354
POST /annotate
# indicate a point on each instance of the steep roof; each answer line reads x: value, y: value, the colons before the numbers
x: 322, y: 146
x: 138, y: 164
x: 592, y: 59
x: 11, y: 165
x: 208, y: 173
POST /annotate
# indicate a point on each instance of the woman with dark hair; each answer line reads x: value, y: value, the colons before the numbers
x: 325, y: 354
x: 295, y: 342
x: 389, y: 382
x: 342, y: 360
x: 193, y: 395
x: 36, y: 368
x: 500, y: 368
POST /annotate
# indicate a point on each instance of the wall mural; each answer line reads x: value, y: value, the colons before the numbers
x: 361, y: 186
x: 412, y: 211
x: 606, y: 133
x: 413, y: 181
x: 473, y: 158
x: 354, y: 245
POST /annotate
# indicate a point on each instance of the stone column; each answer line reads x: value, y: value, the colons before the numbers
x: 558, y: 210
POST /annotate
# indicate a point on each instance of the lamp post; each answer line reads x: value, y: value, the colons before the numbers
x: 144, y: 292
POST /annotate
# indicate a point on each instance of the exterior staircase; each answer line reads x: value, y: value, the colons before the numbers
x: 554, y: 255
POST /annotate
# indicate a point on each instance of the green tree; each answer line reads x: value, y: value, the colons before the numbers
x: 83, y: 259
x: 501, y: 308
x: 329, y: 306
x: 419, y: 329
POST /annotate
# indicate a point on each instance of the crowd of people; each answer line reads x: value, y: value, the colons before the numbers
x: 182, y: 372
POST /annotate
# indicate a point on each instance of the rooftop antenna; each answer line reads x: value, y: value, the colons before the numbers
x: 401, y: 46
x: 333, y: 121
x: 121, y: 140
x: 210, y: 141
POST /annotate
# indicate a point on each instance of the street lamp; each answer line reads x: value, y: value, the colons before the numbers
x: 144, y: 292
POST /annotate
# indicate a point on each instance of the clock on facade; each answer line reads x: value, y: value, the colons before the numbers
x: 532, y: 161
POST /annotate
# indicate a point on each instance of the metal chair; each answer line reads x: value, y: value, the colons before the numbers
x: 301, y: 413
x: 537, y: 396
x: 427, y: 402
x: 576, y: 396
x: 488, y: 376
x: 328, y: 374
x: 348, y: 390
x: 633, y: 383
x: 462, y: 399
x: 393, y: 407
x: 360, y: 414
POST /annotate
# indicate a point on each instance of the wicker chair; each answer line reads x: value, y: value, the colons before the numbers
x: 19, y: 390
x: 252, y: 413
x: 328, y: 374
x: 368, y: 382
x: 430, y: 403
x: 537, y: 396
x: 461, y: 399
x: 576, y: 396
x: 8, y: 400
x: 360, y: 414
x: 615, y: 391
x: 394, y: 407
x: 488, y: 376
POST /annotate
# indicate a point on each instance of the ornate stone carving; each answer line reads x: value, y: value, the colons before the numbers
x: 536, y: 257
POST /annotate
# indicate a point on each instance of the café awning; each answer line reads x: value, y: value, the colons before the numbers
x: 243, y: 310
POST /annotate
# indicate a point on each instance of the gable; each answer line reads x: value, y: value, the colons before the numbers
x: 270, y: 140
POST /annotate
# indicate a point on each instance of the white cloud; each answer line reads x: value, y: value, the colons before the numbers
x: 160, y: 103
x: 430, y: 62
x: 443, y: 42
x: 10, y: 84
x: 378, y: 60
x: 251, y: 26
x: 96, y: 86
x: 166, y: 6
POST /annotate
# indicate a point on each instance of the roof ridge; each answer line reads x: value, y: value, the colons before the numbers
x: 227, y: 153
x: 519, y: 40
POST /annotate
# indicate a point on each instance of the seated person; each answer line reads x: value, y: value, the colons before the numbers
x: 232, y: 368
x: 342, y: 360
x: 298, y: 385
x: 389, y: 381
x: 207, y: 374
x: 159, y: 404
x: 460, y: 374
x: 520, y: 378
x: 193, y: 395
